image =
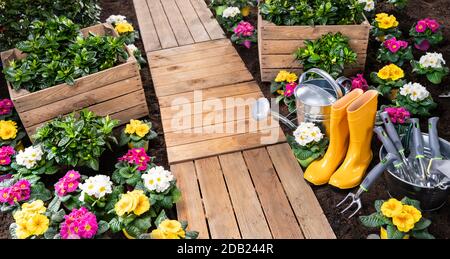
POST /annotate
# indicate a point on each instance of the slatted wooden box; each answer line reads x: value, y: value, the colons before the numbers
x: 277, y: 45
x: 116, y: 91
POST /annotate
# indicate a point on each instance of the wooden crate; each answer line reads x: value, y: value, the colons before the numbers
x: 277, y: 45
x: 116, y: 91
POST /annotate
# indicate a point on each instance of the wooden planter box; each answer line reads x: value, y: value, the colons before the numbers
x: 277, y: 45
x: 116, y: 91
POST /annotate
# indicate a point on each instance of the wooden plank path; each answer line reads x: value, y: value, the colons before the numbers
x: 238, y: 177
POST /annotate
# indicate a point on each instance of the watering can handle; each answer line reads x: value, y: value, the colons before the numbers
x: 345, y: 83
x: 325, y: 76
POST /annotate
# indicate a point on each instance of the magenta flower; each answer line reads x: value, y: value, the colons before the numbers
x: 67, y: 184
x: 398, y: 115
x: 6, y: 106
x: 290, y: 89
x: 395, y: 45
x: 247, y: 44
x: 245, y: 29
x: 432, y: 24
x: 421, y: 26
x: 5, y: 155
x: 20, y: 191
x: 138, y: 157
x: 80, y: 223
x: 359, y: 82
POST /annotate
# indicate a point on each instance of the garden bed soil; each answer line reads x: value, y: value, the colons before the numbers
x: 327, y: 196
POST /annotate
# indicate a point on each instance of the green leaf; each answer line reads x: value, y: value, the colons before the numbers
x: 378, y: 204
x: 114, y: 225
x: 192, y: 234
x: 161, y: 217
x: 422, y: 224
x: 143, y: 223
x: 176, y: 194
x: 54, y: 205
x: 50, y: 233
x: 103, y: 226
x: 58, y: 216
x: 422, y: 234
x: 414, y: 203
x: 12, y: 230
x: 93, y: 163
x: 435, y: 77
x: 372, y: 221
x: 394, y: 233
x: 133, y: 231
x: 39, y: 192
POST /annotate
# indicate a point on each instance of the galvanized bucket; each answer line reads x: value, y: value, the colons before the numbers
x: 314, y: 97
x: 431, y: 198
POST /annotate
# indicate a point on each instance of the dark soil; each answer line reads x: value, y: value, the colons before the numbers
x: 327, y: 196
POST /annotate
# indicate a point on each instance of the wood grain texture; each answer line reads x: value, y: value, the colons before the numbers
x: 146, y: 26
x: 162, y: 25
x: 192, y: 20
x: 275, y: 204
x: 249, y: 214
x: 219, y: 211
x: 303, y: 201
x: 211, y: 25
x: 190, y: 207
x: 179, y: 27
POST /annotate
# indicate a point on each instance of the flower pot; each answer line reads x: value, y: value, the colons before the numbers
x: 245, y: 11
x: 383, y: 234
x: 130, y: 146
x: 128, y: 236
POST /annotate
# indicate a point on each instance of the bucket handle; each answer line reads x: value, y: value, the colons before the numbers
x: 325, y: 76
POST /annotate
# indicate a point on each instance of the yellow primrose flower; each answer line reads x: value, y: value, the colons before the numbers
x: 291, y: 77
x: 391, y: 208
x: 384, y: 73
x: 142, y: 204
x: 8, y: 129
x: 36, y: 207
x: 124, y: 27
x: 380, y: 16
x: 126, y: 204
x: 135, y: 122
x: 172, y: 228
x: 387, y: 22
x: 403, y: 221
x: 415, y: 213
x: 37, y: 224
x: 22, y: 232
x: 396, y: 72
x: 158, y: 234
x: 281, y: 77
x: 130, y: 129
x: 280, y: 92
x: 142, y: 130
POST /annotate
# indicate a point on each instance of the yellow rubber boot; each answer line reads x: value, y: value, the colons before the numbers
x: 361, y: 119
x: 320, y: 171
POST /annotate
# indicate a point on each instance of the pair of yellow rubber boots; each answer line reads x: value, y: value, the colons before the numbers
x: 351, y: 130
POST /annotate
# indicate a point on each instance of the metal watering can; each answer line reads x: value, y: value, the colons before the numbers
x: 314, y: 97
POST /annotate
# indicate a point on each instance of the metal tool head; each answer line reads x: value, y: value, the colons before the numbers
x: 355, y: 200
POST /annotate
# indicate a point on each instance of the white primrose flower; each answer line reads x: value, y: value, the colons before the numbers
x: 306, y: 133
x: 30, y: 156
x: 433, y: 60
x: 157, y: 179
x: 370, y: 5
x: 113, y: 19
x: 231, y: 12
x: 96, y: 186
x: 415, y: 91
x: 132, y: 48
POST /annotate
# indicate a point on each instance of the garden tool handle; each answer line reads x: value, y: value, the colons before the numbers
x: 377, y: 170
x: 392, y: 132
x: 384, y: 138
x: 325, y: 76
x: 434, y: 138
x: 417, y: 138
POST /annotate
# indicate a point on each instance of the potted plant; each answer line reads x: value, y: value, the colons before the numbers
x: 284, y: 26
x: 137, y: 134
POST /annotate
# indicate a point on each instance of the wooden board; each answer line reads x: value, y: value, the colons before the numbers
x: 249, y: 214
x: 303, y: 201
x: 162, y: 25
x: 146, y: 27
x: 219, y: 211
x: 190, y: 207
x: 177, y: 23
x: 277, y: 209
x: 192, y: 20
x: 211, y: 25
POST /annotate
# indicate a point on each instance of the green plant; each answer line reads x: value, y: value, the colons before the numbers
x: 398, y: 219
x: 385, y: 25
x: 178, y: 229
x: 57, y: 53
x: 229, y: 18
x: 312, y: 12
x: 18, y: 16
x: 431, y: 65
x: 426, y: 32
x: 331, y: 53
x: 395, y: 51
x: 308, y: 143
x: 76, y: 141
x: 220, y: 5
x: 137, y: 133
x: 416, y: 99
x: 388, y: 78
x: 284, y: 85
